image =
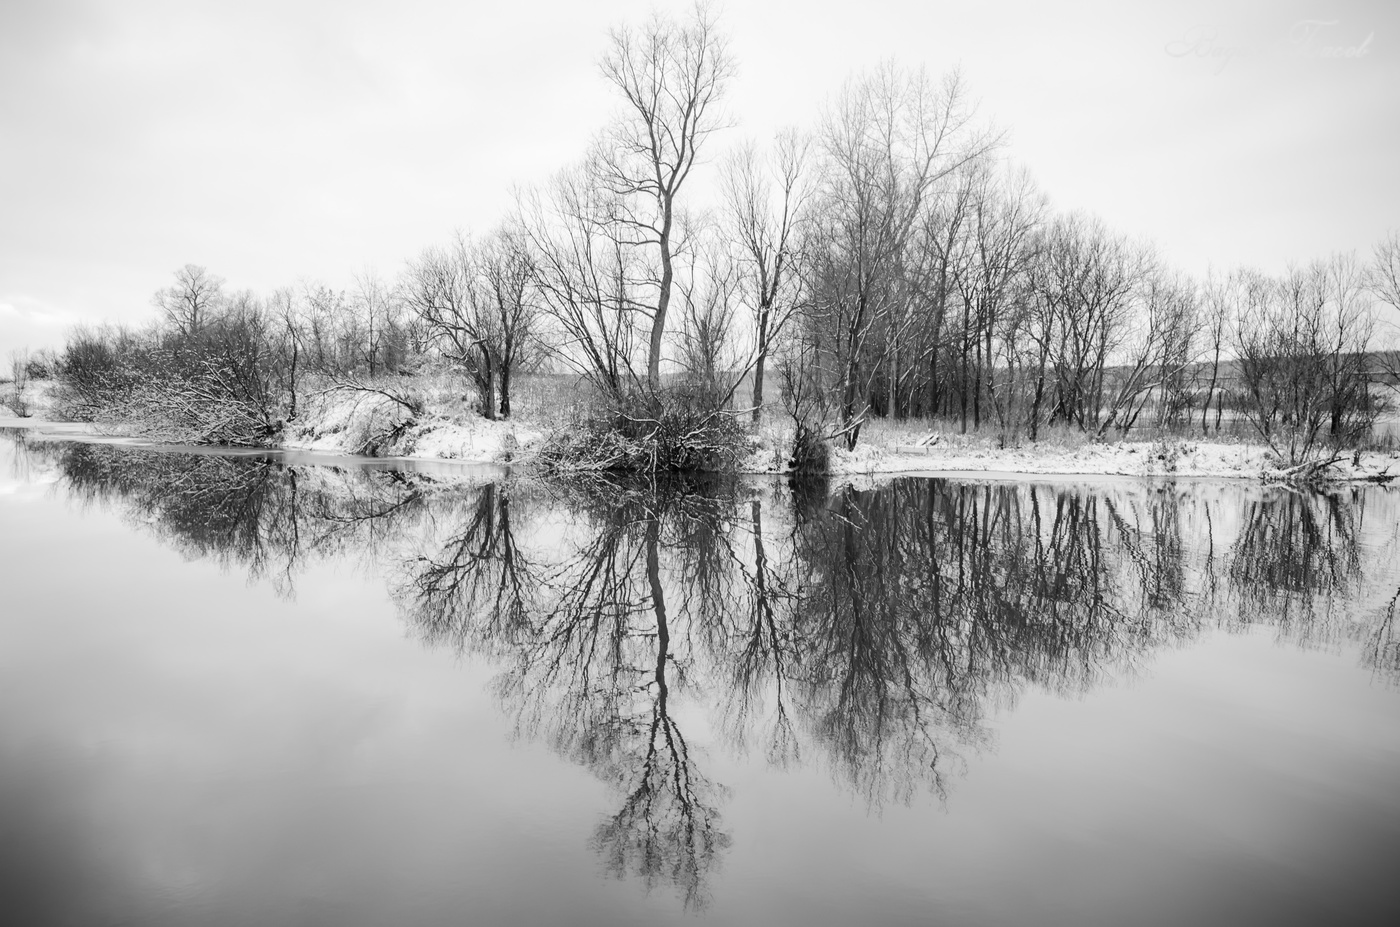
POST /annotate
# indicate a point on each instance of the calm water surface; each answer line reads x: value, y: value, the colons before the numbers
x: 238, y: 691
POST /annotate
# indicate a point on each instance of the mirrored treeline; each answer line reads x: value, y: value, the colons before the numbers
x: 871, y: 632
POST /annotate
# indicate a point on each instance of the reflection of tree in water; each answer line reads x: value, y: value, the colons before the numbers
x: 872, y: 632
x: 929, y: 604
x: 587, y: 632
x: 251, y: 513
x: 1381, y: 645
x: 20, y: 464
x: 1300, y: 564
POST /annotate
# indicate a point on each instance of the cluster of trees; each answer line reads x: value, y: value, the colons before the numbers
x: 887, y: 261
x: 229, y: 367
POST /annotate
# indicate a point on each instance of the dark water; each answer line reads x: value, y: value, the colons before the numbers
x: 234, y: 691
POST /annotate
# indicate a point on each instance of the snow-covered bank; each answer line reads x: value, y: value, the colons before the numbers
x: 357, y: 424
x: 1172, y: 457
x: 369, y: 423
x: 1142, y: 458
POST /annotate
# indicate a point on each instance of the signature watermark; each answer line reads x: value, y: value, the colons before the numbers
x: 1204, y: 41
x: 1321, y: 39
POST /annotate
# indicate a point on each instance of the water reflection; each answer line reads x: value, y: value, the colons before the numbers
x: 873, y: 633
x: 254, y: 514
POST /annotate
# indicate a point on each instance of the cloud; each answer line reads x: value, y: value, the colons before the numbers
x: 29, y: 323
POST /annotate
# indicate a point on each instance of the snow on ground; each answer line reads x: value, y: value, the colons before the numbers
x: 1143, y: 458
x: 1127, y: 458
x: 340, y: 423
x: 368, y: 423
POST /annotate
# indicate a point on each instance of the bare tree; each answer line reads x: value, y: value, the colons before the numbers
x: 321, y: 314
x: 1383, y: 280
x: 195, y: 295
x: 1084, y: 280
x: 373, y: 304
x: 442, y: 289
x: 1384, y: 274
x: 476, y: 299
x: 19, y: 383
x: 940, y: 242
x: 1217, y: 307
x: 1302, y: 344
x: 1156, y: 353
x: 889, y: 141
x: 586, y: 279
x: 767, y: 200
x: 672, y: 76
x: 1004, y: 211
x: 708, y: 286
x: 505, y: 272
x: 285, y: 320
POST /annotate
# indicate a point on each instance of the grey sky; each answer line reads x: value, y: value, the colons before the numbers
x: 274, y: 142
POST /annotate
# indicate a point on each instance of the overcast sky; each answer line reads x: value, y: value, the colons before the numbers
x: 275, y: 142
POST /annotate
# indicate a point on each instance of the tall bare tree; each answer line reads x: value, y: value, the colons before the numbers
x: 672, y: 76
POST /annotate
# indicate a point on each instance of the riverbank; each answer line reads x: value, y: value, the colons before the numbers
x: 484, y: 442
x: 369, y: 424
x: 1157, y: 459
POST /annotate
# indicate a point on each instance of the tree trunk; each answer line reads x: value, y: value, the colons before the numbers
x: 758, y: 388
x: 505, y: 389
x: 488, y: 386
x: 891, y: 406
x: 663, y: 302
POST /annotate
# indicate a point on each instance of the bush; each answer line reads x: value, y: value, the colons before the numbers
x: 14, y: 400
x: 810, y: 452
x: 676, y: 431
x: 210, y: 388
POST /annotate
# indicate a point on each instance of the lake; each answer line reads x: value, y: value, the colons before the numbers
x: 245, y: 689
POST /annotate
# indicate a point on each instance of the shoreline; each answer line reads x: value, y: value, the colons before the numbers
x: 451, y: 447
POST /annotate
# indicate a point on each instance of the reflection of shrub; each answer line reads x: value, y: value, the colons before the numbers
x: 810, y: 492
x: 672, y: 431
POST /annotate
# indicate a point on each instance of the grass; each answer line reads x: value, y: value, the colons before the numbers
x: 551, y: 400
x: 894, y: 433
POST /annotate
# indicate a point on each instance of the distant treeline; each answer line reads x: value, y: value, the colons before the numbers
x: 888, y: 260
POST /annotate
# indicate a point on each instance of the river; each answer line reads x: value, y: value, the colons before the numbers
x: 243, y: 689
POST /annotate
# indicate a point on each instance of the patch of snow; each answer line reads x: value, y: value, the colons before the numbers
x: 366, y: 423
